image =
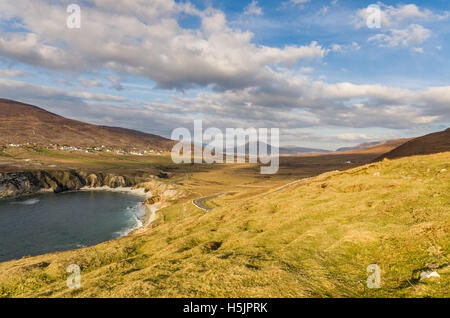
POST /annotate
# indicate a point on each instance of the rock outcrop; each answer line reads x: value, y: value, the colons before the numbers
x: 161, y: 191
x: 154, y: 199
x: 29, y: 182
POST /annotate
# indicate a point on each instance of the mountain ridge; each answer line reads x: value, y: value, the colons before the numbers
x: 366, y: 145
x: 25, y: 123
x: 287, y: 150
x: 428, y: 144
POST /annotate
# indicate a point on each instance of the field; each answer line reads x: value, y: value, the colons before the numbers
x: 202, y: 179
x: 314, y: 238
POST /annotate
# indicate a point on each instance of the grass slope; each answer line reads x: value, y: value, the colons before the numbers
x: 312, y: 239
x: 428, y: 144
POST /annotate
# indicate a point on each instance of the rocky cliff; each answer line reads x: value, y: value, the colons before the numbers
x: 29, y: 182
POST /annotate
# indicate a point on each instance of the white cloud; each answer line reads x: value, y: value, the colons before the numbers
x: 249, y: 84
x: 253, y: 9
x: 291, y: 103
x: 90, y: 83
x: 299, y: 1
x: 355, y: 136
x: 12, y: 73
x: 425, y: 119
x: 414, y: 35
x: 318, y: 103
x: 324, y: 10
x: 399, y: 24
x: 115, y: 82
x: 342, y: 48
x: 25, y: 89
x: 30, y: 49
x: 306, y: 69
x: 151, y: 44
x: 393, y: 17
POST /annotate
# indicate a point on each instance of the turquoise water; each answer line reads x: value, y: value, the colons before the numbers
x: 56, y: 222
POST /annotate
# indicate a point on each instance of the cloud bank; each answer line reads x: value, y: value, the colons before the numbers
x: 216, y: 72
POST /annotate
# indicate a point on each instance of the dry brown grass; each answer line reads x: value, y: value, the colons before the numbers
x: 313, y: 239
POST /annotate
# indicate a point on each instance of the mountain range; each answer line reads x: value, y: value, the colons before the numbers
x: 288, y: 150
x: 22, y: 123
x: 365, y: 145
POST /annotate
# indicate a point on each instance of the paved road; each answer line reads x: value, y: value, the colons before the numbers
x: 199, y: 202
x: 288, y: 185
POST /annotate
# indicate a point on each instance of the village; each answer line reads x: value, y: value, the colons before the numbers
x: 93, y: 149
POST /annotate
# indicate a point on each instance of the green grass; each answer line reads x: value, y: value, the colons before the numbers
x: 313, y: 239
x: 3, y: 154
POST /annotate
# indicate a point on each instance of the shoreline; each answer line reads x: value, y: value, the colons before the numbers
x: 137, y: 191
x: 14, y: 186
x: 149, y: 210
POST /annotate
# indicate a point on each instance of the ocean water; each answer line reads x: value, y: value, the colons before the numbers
x: 56, y: 222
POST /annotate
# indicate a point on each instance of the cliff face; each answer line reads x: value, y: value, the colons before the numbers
x: 29, y: 182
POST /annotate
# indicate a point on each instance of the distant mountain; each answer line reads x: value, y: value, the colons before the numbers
x: 366, y: 145
x: 428, y: 144
x: 282, y: 150
x: 292, y: 150
x: 379, y: 148
x: 22, y: 123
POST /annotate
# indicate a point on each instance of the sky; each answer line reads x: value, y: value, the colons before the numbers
x: 322, y: 71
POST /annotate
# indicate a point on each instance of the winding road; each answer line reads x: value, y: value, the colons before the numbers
x: 199, y: 202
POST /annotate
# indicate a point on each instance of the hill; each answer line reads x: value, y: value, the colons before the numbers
x: 293, y: 150
x: 372, y: 144
x: 379, y: 148
x: 287, y: 150
x: 312, y: 238
x: 428, y: 144
x: 22, y: 123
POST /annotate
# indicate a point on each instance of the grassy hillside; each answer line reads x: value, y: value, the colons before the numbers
x: 314, y: 238
x: 23, y: 123
x: 428, y: 144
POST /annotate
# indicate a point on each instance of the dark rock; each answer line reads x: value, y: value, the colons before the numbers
x: 163, y: 175
x: 212, y: 246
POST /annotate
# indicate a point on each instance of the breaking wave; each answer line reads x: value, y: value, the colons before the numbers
x: 138, y: 214
x: 27, y: 202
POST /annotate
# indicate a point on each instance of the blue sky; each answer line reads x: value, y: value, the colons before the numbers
x: 312, y: 68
